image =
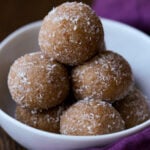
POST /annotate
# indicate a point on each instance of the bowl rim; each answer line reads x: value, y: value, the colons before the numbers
x: 38, y: 23
x: 122, y: 133
x: 18, y: 31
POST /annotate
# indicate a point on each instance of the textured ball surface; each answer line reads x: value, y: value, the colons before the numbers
x: 71, y: 33
x: 134, y: 108
x: 48, y: 120
x: 36, y: 81
x: 105, y: 77
x: 90, y: 117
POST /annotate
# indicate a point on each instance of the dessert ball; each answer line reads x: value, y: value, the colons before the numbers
x: 90, y: 117
x: 134, y: 108
x: 71, y: 33
x: 37, y: 81
x: 48, y: 120
x: 105, y: 77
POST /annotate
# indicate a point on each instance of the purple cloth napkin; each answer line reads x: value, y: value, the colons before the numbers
x: 133, y: 12
x: 138, y: 141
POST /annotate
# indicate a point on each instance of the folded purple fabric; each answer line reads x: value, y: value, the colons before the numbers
x: 138, y: 141
x: 132, y: 12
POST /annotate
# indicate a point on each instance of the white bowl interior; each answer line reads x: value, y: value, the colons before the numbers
x: 16, y: 45
x: 129, y: 42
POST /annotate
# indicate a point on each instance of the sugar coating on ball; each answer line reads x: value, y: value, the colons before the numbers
x: 106, y: 77
x: 47, y: 120
x: 134, y: 108
x: 71, y: 33
x: 90, y: 117
x: 38, y: 82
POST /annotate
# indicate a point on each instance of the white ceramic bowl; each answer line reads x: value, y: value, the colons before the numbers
x: 129, y: 42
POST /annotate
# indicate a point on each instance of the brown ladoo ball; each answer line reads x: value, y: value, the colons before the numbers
x: 36, y: 81
x: 71, y: 33
x: 48, y: 120
x: 106, y: 77
x: 134, y: 108
x: 90, y: 117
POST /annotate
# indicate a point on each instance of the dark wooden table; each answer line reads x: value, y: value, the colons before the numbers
x: 6, y: 143
x: 14, y: 14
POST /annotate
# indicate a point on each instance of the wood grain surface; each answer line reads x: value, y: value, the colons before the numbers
x: 14, y: 14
